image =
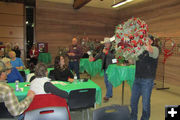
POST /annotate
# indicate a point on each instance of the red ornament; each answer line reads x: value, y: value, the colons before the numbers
x: 131, y: 37
x: 119, y: 57
x: 122, y: 47
x: 134, y: 18
x: 141, y: 36
x: 122, y: 38
x: 144, y: 32
x: 139, y: 48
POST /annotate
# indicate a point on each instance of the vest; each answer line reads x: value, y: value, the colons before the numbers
x: 146, y: 66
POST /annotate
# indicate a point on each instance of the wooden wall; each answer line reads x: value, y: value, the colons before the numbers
x: 57, y: 23
x: 12, y: 24
x: 163, y: 18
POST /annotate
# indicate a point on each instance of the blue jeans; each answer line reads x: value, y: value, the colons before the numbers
x: 108, y: 86
x: 141, y: 87
x: 74, y: 66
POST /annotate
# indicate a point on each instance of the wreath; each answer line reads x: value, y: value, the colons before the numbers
x: 167, y: 51
x: 131, y: 38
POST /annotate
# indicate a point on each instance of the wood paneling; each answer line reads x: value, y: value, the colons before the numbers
x: 12, y: 24
x: 11, y: 8
x: 11, y: 20
x: 11, y: 32
x: 163, y: 18
x: 57, y: 23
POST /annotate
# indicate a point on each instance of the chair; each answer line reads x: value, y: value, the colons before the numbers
x: 114, y: 112
x: 51, y: 75
x: 47, y: 107
x: 4, y: 113
x: 81, y: 99
x: 23, y: 75
x: 48, y: 113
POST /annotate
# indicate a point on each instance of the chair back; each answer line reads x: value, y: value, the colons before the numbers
x: 23, y: 74
x: 48, y: 105
x: 51, y: 75
x: 49, y: 113
x: 4, y: 113
x: 81, y: 99
x: 114, y: 112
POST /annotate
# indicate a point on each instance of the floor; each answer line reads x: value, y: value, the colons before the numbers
x: 159, y: 99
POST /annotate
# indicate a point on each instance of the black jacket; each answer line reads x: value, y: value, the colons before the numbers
x: 60, y: 75
x: 146, y: 66
x: 106, y: 59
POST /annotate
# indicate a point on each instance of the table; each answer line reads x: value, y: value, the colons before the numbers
x: 118, y: 74
x: 27, y: 71
x: 70, y: 86
x: 45, y: 58
x: 92, y: 68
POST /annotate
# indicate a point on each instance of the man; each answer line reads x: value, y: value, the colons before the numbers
x: 74, y: 54
x: 7, y: 95
x: 16, y: 62
x: 107, y: 56
x: 144, y: 80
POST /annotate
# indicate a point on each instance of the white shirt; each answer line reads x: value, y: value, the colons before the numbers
x: 37, y: 85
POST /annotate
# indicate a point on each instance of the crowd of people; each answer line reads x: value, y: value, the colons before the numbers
x: 64, y: 65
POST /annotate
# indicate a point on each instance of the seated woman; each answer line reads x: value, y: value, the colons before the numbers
x: 42, y: 85
x: 13, y: 73
x: 15, y: 61
x: 61, y: 70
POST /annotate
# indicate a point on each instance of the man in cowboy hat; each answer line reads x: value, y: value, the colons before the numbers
x: 8, y: 97
x: 107, y: 56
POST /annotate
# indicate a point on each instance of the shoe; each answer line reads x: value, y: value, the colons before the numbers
x: 106, y: 99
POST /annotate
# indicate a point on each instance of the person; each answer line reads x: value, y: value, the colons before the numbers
x: 107, y: 56
x: 13, y: 73
x: 42, y: 85
x: 74, y: 54
x: 15, y: 61
x: 33, y: 53
x: 61, y: 70
x: 7, y: 95
x: 31, y: 75
x: 144, y: 80
x: 7, y: 49
x: 17, y: 50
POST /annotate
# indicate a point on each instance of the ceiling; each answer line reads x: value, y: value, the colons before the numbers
x: 101, y: 3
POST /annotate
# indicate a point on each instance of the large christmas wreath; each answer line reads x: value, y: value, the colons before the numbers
x: 131, y: 38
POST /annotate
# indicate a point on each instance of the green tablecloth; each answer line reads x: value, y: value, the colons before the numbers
x: 27, y: 71
x: 118, y: 74
x: 45, y: 58
x: 92, y: 68
x: 70, y: 86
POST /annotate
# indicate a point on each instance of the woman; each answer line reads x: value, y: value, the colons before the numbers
x: 42, y: 85
x: 13, y: 73
x: 61, y: 70
x: 17, y: 50
x: 34, y: 53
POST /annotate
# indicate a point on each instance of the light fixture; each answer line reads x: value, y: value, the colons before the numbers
x: 27, y: 22
x: 120, y: 3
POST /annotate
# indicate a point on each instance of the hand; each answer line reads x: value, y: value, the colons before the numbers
x: 91, y: 58
x: 31, y: 94
x: 105, y: 51
x: 73, y: 54
x: 70, y: 80
x: 149, y: 48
